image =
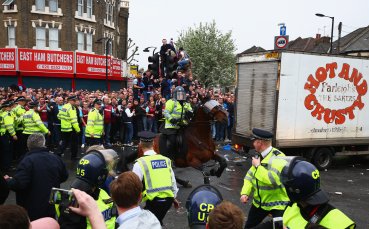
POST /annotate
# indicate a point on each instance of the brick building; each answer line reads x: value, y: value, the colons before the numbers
x: 90, y: 27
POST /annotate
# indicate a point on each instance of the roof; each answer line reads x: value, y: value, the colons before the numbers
x: 358, y: 40
x: 318, y: 45
x: 253, y: 49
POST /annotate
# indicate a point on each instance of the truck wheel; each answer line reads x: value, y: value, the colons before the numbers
x: 322, y: 158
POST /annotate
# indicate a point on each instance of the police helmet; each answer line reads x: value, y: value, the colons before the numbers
x: 302, y: 182
x: 91, y: 172
x: 179, y: 94
x: 201, y: 201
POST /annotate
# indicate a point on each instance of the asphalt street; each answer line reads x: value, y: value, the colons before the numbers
x: 347, y: 183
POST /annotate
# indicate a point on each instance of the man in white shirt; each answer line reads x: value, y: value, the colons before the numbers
x: 126, y: 193
x: 160, y: 188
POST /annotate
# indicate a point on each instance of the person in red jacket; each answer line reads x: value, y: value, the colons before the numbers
x: 107, y: 113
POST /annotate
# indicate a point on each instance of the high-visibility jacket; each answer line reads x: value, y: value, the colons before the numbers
x: 19, y: 111
x: 68, y: 118
x: 173, y: 110
x: 7, y: 123
x: 293, y: 219
x: 106, y: 207
x: 264, y: 181
x: 33, y: 124
x: 95, y: 124
x: 157, y: 176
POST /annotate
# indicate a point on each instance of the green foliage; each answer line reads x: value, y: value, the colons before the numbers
x: 211, y: 53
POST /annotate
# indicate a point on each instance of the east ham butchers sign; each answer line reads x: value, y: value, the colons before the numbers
x: 334, y: 83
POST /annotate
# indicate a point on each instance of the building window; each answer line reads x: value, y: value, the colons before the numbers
x: 109, y: 13
x: 40, y: 5
x: 81, y: 41
x: 89, y: 8
x: 53, y: 6
x: 80, y: 8
x: 89, y: 42
x: 53, y: 38
x: 11, y: 36
x: 40, y: 37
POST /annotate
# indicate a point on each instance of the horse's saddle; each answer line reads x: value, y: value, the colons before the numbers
x: 173, y: 145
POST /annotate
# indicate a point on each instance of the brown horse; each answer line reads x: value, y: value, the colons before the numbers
x: 197, y: 136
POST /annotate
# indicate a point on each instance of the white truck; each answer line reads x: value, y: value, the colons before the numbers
x: 316, y: 105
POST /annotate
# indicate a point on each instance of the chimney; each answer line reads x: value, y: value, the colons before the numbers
x: 318, y: 36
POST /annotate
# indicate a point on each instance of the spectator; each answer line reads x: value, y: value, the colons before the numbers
x: 165, y: 53
x: 184, y: 59
x: 137, y: 118
x: 226, y: 216
x: 55, y: 108
x: 36, y: 174
x: 137, y: 86
x: 126, y: 193
x: 107, y: 114
x: 84, y: 111
x: 127, y: 119
x: 150, y: 113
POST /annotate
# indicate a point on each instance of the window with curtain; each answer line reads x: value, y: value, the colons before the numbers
x: 89, y: 8
x: 89, y: 42
x: 110, y: 47
x: 53, y: 5
x: 81, y: 41
x: 40, y: 38
x: 111, y: 12
x: 11, y: 36
x: 53, y: 38
x: 40, y: 5
x: 80, y: 8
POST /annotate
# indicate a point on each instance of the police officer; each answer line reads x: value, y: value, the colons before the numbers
x: 310, y: 205
x: 92, y: 171
x: 155, y: 170
x: 201, y: 201
x: 95, y: 124
x: 19, y: 111
x: 7, y: 135
x: 270, y: 197
x: 69, y: 127
x: 32, y: 122
x: 177, y: 113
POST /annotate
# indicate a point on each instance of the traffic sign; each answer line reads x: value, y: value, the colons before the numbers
x: 282, y: 31
x: 280, y: 42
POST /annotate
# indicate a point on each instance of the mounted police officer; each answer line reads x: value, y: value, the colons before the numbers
x: 95, y: 124
x: 177, y: 115
x: 310, y: 205
x: 270, y: 197
x: 92, y: 171
x: 69, y: 126
x: 7, y: 134
x: 155, y: 170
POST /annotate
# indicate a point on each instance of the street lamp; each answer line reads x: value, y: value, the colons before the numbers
x: 107, y: 42
x: 147, y: 50
x: 322, y: 15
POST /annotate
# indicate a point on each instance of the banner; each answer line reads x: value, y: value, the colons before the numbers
x: 117, y: 68
x: 91, y: 64
x: 8, y: 59
x: 45, y: 61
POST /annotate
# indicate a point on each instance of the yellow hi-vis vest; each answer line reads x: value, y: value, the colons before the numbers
x: 68, y: 118
x: 336, y: 219
x: 173, y: 110
x: 33, y: 124
x: 19, y: 111
x: 106, y: 210
x: 269, y: 193
x: 95, y: 124
x: 157, y: 177
x: 7, y: 123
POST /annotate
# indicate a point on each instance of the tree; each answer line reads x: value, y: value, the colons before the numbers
x: 211, y: 53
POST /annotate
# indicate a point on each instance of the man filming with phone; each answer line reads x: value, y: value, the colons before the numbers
x: 91, y: 174
x: 270, y: 196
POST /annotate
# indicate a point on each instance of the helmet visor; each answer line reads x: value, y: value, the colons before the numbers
x: 181, y: 95
x: 111, y: 158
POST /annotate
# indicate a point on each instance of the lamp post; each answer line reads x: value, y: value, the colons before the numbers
x: 107, y: 42
x: 322, y: 15
x: 147, y: 50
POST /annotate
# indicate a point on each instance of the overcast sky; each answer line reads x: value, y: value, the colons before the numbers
x: 252, y: 22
